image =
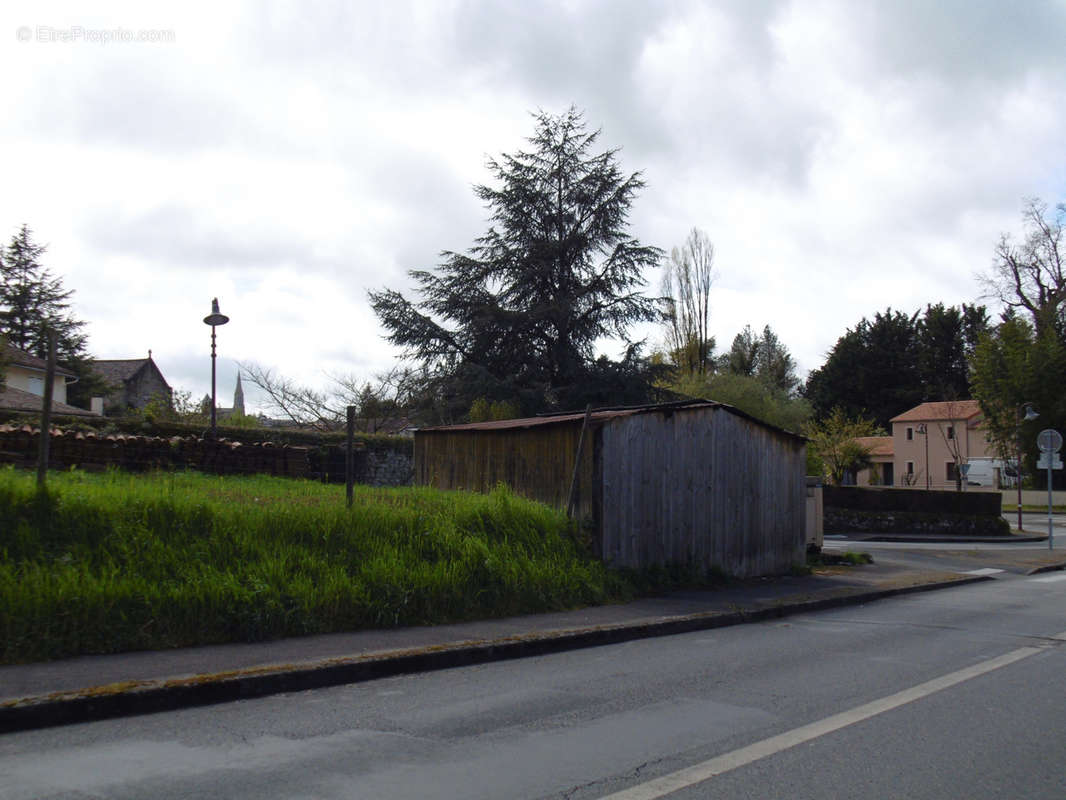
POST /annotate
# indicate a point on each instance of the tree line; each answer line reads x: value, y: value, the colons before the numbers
x: 512, y: 325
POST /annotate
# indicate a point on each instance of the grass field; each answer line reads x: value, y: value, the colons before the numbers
x: 112, y: 562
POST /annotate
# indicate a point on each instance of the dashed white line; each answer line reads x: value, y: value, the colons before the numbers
x: 1050, y: 578
x: 985, y: 571
x: 675, y: 781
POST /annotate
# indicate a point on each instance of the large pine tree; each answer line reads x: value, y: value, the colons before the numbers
x: 33, y: 302
x: 516, y: 318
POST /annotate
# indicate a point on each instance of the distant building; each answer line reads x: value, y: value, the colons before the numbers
x: 134, y: 382
x: 237, y: 409
x: 23, y: 386
x: 928, y: 446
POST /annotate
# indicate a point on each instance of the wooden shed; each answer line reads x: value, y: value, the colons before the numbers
x: 690, y: 482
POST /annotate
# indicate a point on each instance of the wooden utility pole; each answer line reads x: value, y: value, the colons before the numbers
x: 46, y: 412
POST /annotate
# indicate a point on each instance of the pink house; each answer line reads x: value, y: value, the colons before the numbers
x: 929, y: 445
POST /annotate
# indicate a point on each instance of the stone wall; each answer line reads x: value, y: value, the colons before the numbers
x: 87, y: 450
x: 381, y: 463
x: 843, y: 520
x: 388, y: 468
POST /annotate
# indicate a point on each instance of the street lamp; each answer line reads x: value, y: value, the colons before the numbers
x: 214, y: 319
x: 925, y: 432
x: 1028, y: 416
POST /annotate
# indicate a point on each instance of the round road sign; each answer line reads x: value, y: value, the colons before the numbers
x: 1049, y: 441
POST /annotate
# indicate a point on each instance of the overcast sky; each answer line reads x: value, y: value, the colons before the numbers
x: 842, y: 156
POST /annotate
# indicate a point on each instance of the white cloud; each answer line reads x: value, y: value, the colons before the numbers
x: 843, y: 157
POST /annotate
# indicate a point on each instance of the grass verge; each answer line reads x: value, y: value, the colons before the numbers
x: 104, y: 563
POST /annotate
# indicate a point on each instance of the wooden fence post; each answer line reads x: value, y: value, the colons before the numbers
x: 349, y: 457
x: 46, y: 412
x: 577, y: 462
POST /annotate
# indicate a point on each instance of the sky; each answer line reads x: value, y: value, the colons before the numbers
x: 843, y: 157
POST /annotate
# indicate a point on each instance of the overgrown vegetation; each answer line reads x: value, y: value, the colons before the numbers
x: 112, y: 562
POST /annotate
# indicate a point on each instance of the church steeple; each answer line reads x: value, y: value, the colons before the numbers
x: 238, y: 397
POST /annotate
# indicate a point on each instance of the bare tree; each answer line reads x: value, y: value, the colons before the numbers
x: 949, y: 433
x: 1030, y: 275
x: 381, y: 403
x: 686, y: 289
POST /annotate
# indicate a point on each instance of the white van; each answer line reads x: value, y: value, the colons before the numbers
x: 992, y: 473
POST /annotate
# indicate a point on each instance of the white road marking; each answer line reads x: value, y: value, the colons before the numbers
x: 985, y: 571
x: 675, y: 781
x: 1050, y: 578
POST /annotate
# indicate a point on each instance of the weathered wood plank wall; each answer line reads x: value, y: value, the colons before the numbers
x: 704, y: 486
x: 535, y: 462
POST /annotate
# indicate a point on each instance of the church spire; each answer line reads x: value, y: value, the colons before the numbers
x: 238, y: 397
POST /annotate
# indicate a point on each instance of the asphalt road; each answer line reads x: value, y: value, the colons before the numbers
x: 955, y: 693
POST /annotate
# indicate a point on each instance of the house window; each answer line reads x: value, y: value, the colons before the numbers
x: 36, y: 386
x: 910, y: 434
x: 951, y: 472
x: 910, y: 467
x: 951, y: 431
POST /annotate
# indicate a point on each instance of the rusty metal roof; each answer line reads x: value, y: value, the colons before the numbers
x: 596, y: 415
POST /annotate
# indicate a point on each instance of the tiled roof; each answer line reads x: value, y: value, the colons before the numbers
x: 877, y: 445
x: 930, y: 412
x: 12, y: 399
x: 20, y: 358
x: 118, y: 371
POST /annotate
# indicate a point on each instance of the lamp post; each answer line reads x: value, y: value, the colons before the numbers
x: 1026, y: 413
x: 924, y: 431
x: 214, y: 319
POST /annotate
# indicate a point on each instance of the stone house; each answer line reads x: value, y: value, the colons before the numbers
x: 134, y: 382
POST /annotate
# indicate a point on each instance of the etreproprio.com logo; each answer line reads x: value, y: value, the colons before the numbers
x: 73, y: 34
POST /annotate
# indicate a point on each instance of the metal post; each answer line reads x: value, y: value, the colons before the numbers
x: 926, y: 429
x: 213, y: 319
x: 214, y: 431
x: 1050, y: 528
x: 1018, y: 476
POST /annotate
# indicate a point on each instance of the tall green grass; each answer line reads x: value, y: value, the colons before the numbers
x: 111, y: 562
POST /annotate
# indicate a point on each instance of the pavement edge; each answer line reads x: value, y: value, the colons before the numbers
x: 146, y: 697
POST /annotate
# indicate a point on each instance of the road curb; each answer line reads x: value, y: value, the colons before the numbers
x: 1047, y: 568
x: 858, y: 538
x: 146, y: 697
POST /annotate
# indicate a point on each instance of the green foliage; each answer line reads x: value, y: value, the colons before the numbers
x: 481, y: 410
x: 833, y: 439
x: 884, y: 366
x: 751, y: 395
x: 762, y: 356
x: 112, y: 562
x: 33, y: 302
x: 1013, y: 365
x: 518, y: 317
x: 847, y: 558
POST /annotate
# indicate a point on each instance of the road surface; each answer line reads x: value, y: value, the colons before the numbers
x: 954, y: 693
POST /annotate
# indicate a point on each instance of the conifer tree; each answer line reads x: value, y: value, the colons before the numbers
x: 516, y: 318
x: 34, y: 301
